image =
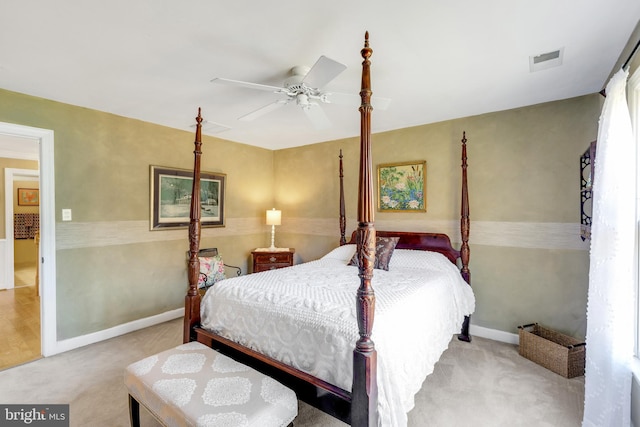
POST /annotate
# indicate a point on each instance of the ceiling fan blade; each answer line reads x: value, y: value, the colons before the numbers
x: 317, y: 116
x: 247, y: 85
x: 263, y: 110
x: 322, y: 72
x: 342, y: 99
x: 355, y: 100
x: 212, y: 127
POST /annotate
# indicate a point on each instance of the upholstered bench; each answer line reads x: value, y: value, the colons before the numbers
x: 194, y: 385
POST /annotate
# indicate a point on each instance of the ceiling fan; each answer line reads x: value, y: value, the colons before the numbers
x: 304, y: 87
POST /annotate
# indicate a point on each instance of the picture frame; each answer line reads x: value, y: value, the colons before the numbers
x: 170, y: 198
x: 28, y: 197
x: 402, y: 187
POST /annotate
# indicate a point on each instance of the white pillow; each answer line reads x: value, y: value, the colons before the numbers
x: 343, y: 253
x: 410, y: 258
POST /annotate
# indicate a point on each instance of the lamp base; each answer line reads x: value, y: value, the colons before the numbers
x: 271, y: 250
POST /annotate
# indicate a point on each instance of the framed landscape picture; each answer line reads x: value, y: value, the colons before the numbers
x: 171, y: 198
x: 402, y: 187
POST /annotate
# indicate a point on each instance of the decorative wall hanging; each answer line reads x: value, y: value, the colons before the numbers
x: 28, y: 197
x: 171, y: 198
x: 587, y: 168
x: 402, y: 187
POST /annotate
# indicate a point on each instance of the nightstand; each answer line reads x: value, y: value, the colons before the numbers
x: 270, y: 260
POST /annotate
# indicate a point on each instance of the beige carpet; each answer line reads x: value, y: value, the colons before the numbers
x: 484, y: 383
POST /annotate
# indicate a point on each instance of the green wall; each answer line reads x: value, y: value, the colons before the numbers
x: 527, y: 261
x: 111, y: 269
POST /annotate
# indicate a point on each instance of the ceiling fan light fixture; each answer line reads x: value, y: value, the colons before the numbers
x: 302, y: 100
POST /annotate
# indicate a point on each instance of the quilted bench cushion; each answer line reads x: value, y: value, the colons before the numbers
x: 193, y: 385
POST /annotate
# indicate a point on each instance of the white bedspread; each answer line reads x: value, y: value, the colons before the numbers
x: 305, y: 316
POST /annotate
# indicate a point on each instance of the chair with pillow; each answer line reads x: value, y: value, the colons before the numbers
x: 212, y: 268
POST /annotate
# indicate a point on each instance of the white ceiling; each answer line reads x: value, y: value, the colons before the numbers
x: 15, y: 147
x: 153, y: 59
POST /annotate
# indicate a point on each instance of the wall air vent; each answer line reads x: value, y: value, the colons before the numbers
x: 546, y: 60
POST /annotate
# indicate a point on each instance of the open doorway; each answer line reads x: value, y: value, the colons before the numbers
x: 22, y: 220
x: 14, y: 139
x: 20, y: 295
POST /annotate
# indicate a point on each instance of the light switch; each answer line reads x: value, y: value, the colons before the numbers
x: 66, y: 214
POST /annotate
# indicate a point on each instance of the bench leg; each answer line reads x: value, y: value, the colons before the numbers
x: 134, y: 412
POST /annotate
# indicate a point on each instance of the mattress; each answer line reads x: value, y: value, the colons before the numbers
x: 305, y: 316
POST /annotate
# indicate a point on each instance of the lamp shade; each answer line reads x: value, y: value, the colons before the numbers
x: 274, y: 217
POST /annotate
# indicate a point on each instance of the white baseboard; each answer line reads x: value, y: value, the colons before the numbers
x: 494, y: 334
x: 81, y: 341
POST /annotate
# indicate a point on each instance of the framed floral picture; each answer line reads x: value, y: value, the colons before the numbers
x: 402, y: 187
x: 28, y: 197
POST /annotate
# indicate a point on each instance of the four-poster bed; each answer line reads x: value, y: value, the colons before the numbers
x: 350, y: 394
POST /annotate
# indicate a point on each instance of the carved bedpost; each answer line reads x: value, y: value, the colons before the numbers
x: 365, y: 389
x: 192, y: 299
x: 464, y: 215
x: 464, y: 232
x: 343, y: 219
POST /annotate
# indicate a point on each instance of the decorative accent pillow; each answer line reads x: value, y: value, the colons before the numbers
x: 343, y: 253
x: 384, y: 249
x: 211, y: 271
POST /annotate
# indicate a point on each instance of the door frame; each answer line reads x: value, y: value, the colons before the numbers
x: 48, y: 318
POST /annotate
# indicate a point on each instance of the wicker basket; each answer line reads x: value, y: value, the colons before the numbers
x: 557, y: 352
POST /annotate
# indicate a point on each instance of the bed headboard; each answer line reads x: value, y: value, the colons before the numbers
x: 435, y: 242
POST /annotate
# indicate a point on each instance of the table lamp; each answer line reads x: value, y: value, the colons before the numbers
x: 273, y: 218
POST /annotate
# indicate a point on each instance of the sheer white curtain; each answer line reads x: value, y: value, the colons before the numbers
x: 610, y: 315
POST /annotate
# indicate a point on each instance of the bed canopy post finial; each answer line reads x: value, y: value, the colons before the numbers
x: 365, y: 391
x: 192, y: 299
x: 343, y: 219
x: 465, y: 227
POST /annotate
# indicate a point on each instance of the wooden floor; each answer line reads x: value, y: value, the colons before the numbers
x: 20, y: 321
